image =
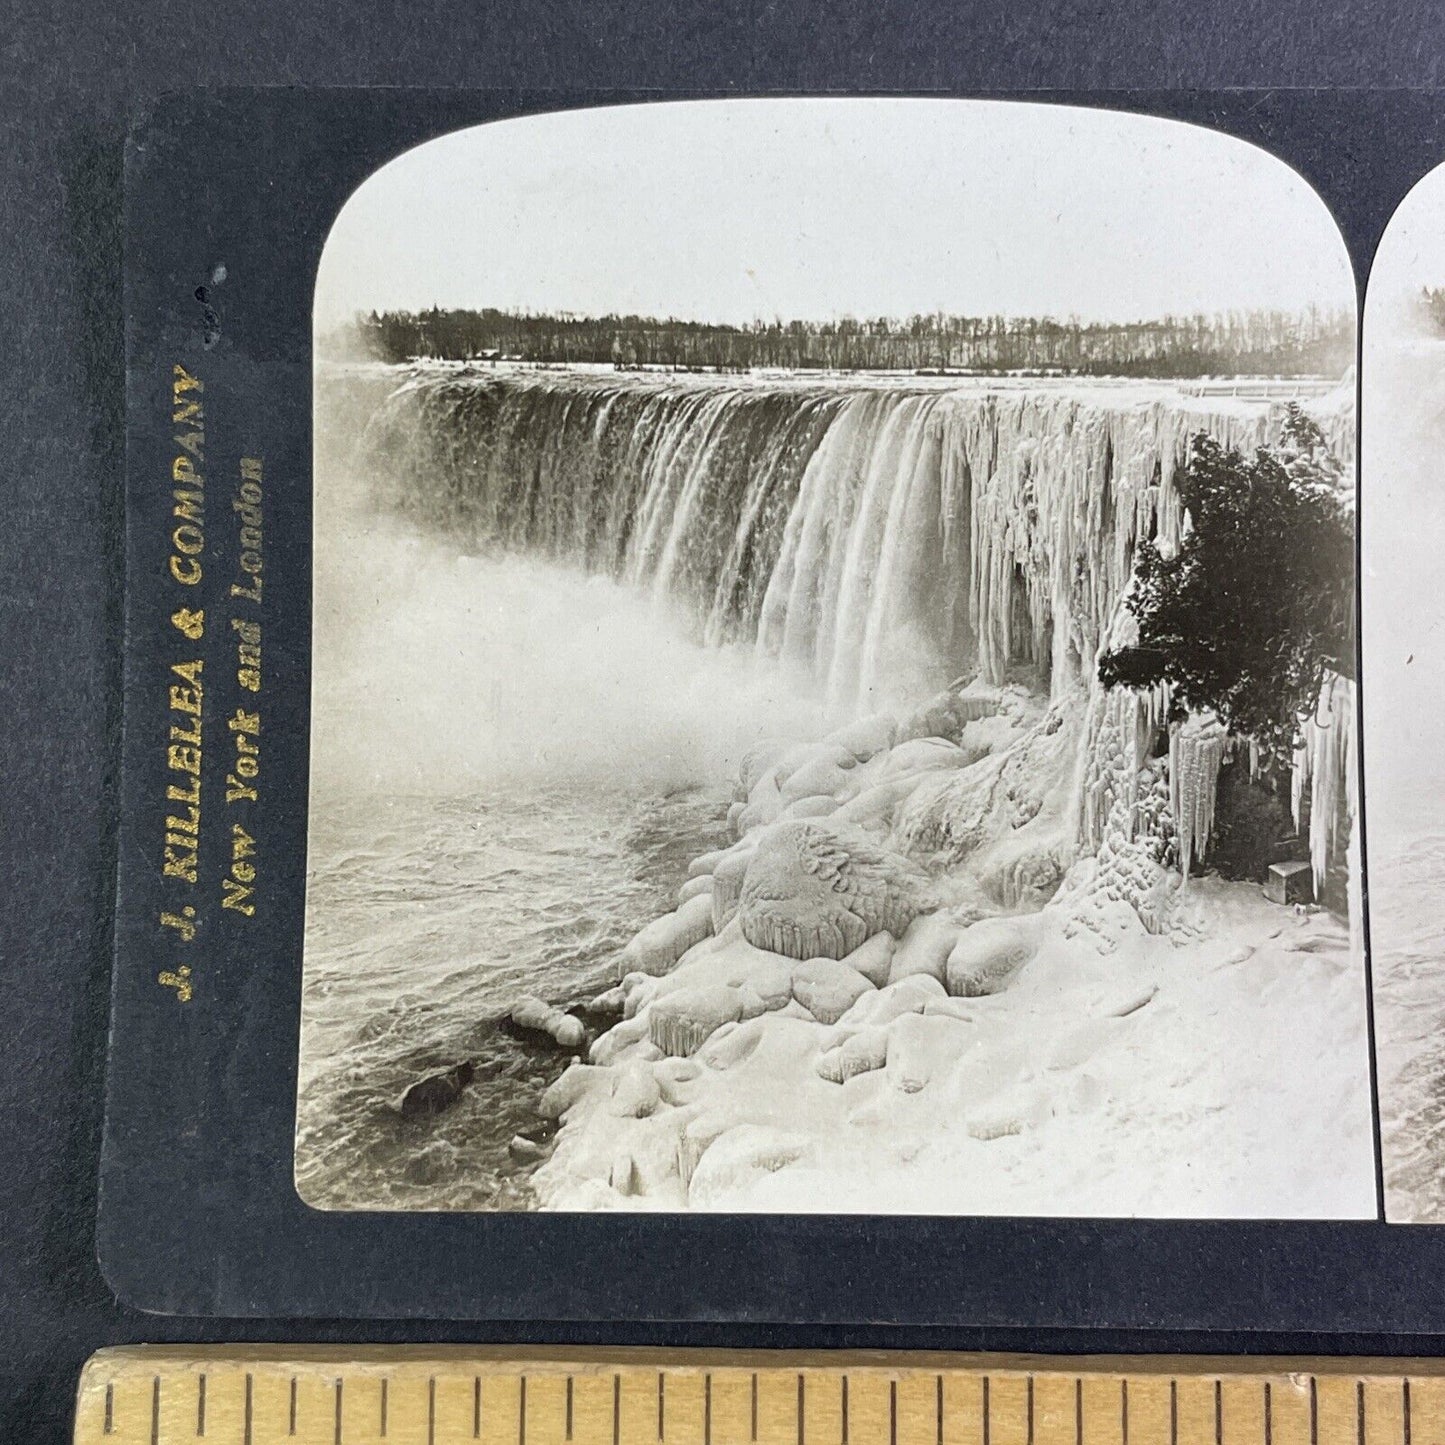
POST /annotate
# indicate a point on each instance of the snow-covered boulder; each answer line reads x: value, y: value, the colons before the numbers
x: 922, y: 1047
x: 867, y: 737
x: 610, y: 1001
x: 673, y: 1077
x: 909, y: 996
x: 637, y: 991
x: 989, y: 953
x: 575, y: 1084
x: 829, y: 773
x: 813, y: 890
x: 874, y: 958
x: 757, y: 761
x: 731, y: 1045
x: 635, y: 1093
x: 727, y: 882
x: 681, y: 1021
x: 534, y: 1016
x: 702, y: 883
x: 920, y: 755
x: 741, y: 1154
x: 814, y: 806
x: 666, y: 939
x: 875, y: 804
x: 704, y: 863
x: 732, y: 960
x: 763, y: 808
x: 859, y: 1053
x: 828, y: 988
x: 620, y: 1039
x: 925, y: 947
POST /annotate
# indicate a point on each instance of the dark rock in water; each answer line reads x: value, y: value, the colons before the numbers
x: 525, y: 1150
x: 603, y: 1010
x: 437, y: 1092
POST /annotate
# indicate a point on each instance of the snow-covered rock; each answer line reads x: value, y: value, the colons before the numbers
x: 758, y: 760
x: 828, y: 774
x: 681, y: 1021
x: 922, y: 1047
x: 666, y: 939
x: 727, y: 881
x: 828, y: 988
x: 564, y: 1093
x: 989, y: 953
x: 812, y: 890
x: 873, y: 959
x: 635, y: 1092
x: 859, y: 1053
x: 868, y: 736
x: 925, y: 947
x: 740, y: 1153
x: 923, y: 755
x: 813, y: 806
x: 537, y: 1017
x: 909, y: 995
x: 702, y: 883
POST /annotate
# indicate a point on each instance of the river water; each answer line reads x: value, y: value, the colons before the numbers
x: 429, y: 917
x: 513, y: 764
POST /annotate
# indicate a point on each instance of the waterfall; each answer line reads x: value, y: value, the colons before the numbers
x: 887, y: 533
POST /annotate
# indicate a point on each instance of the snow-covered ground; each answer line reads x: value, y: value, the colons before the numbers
x: 1224, y: 1079
x: 1062, y: 1062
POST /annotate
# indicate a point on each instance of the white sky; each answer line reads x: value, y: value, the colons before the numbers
x: 732, y: 210
x: 1402, y: 528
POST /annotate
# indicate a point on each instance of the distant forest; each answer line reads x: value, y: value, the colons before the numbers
x: 1254, y: 343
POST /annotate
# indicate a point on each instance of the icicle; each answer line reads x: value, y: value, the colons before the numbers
x: 1197, y: 749
x: 1324, y: 763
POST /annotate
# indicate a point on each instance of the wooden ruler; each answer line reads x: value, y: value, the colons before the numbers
x: 450, y: 1396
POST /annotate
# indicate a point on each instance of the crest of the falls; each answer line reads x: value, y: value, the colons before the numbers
x: 887, y: 533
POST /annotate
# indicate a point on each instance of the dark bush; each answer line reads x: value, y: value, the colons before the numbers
x: 1252, y: 822
x: 1256, y: 606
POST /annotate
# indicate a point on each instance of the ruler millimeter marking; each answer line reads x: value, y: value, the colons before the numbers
x: 445, y: 1396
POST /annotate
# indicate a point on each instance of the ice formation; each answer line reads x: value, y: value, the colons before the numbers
x: 1325, y: 765
x: 1197, y: 749
x: 814, y: 891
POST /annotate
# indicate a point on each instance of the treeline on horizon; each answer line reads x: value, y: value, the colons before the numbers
x: 1258, y: 343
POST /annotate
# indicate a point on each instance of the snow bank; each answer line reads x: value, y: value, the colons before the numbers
x: 1119, y: 1042
x: 1221, y: 1081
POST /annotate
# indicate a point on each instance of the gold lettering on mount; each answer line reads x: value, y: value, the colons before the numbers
x: 183, y: 756
x: 188, y: 481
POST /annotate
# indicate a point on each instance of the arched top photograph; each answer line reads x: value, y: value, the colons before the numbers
x: 834, y: 672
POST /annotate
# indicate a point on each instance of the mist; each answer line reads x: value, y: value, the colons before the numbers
x: 440, y: 673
